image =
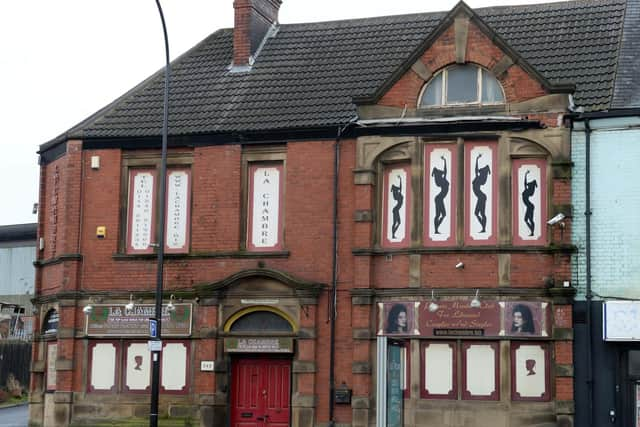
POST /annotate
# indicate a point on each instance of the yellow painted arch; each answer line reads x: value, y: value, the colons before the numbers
x: 248, y: 310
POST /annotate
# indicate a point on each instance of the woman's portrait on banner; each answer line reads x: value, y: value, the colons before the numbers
x: 524, y: 318
x: 397, y: 318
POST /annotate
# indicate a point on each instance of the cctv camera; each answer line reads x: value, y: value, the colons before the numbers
x: 556, y: 219
x: 87, y: 309
x: 460, y: 265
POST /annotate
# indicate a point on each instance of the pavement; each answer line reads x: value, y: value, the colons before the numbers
x: 16, y: 415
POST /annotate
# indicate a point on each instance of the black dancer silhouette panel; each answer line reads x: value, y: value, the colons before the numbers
x: 529, y: 194
x: 396, y: 209
x: 528, y: 191
x: 481, y: 193
x: 440, y: 180
x: 529, y: 207
x: 440, y: 194
x: 478, y: 184
x: 396, y: 192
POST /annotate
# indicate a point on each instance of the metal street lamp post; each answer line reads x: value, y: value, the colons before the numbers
x: 156, y: 353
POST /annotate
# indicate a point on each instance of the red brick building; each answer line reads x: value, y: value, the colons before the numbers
x: 357, y: 226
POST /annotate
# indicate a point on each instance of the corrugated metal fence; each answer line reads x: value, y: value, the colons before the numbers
x: 15, y: 358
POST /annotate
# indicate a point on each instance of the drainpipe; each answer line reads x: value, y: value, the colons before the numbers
x: 589, y: 294
x: 334, y: 278
x: 333, y: 305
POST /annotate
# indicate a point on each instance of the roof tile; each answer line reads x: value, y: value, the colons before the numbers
x: 307, y: 74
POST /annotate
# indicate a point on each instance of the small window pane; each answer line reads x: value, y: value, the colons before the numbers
x: 433, y: 93
x: 462, y: 85
x: 491, y: 92
x: 261, y: 321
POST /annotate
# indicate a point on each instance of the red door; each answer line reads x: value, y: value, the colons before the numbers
x: 260, y: 391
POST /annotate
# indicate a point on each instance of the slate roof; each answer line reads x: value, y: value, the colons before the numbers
x: 627, y: 86
x: 18, y: 232
x: 307, y: 75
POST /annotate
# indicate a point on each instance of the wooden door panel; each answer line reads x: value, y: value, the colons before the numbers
x: 246, y: 406
x: 261, y: 390
x: 278, y: 392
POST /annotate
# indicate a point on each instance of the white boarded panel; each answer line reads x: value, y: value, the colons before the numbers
x: 177, y: 209
x: 480, y: 369
x: 530, y: 371
x: 174, y: 366
x: 103, y: 366
x: 265, y: 215
x: 52, y: 356
x: 138, y: 366
x: 438, y: 368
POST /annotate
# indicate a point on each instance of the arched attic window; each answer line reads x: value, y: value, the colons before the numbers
x: 462, y: 85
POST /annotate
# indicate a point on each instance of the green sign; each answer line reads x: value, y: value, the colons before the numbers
x: 394, y: 386
x: 117, y: 320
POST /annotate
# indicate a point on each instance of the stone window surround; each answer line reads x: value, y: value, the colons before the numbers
x: 375, y: 152
x: 149, y: 161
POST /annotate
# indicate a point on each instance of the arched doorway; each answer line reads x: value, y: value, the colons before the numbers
x: 260, y: 345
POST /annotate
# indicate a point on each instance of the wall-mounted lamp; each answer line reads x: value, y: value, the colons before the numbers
x: 475, y: 302
x: 460, y: 265
x: 131, y: 304
x: 170, y: 306
x: 88, y: 309
x: 433, y: 306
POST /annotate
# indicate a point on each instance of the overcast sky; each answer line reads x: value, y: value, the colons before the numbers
x: 63, y: 60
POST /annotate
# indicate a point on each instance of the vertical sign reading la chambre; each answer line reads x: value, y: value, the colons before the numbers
x: 141, y: 207
x: 265, y: 203
x: 178, y: 190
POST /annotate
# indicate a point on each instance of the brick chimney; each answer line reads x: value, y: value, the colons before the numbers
x: 253, y: 18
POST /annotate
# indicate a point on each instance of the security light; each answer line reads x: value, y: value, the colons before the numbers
x: 556, y: 219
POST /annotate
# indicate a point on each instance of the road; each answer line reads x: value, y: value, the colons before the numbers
x: 16, y: 416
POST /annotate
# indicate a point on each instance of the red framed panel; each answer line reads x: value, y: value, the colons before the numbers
x: 476, y: 369
x: 481, y: 193
x: 141, y: 205
x: 187, y: 367
x: 440, y: 194
x: 140, y: 359
x: 442, y: 349
x: 101, y: 366
x: 264, y: 238
x: 52, y: 355
x: 529, y: 198
x: 529, y: 380
x: 178, y: 230
x: 396, y: 206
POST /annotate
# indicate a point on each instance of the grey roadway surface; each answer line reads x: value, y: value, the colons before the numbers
x: 15, y: 416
